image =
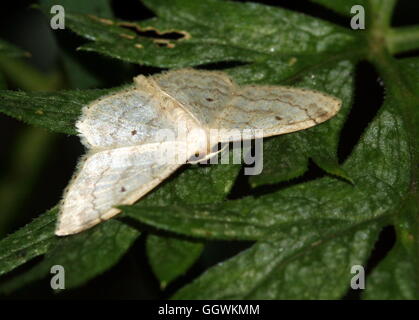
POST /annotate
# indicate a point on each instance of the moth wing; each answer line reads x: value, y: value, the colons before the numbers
x: 274, y: 109
x: 126, y: 118
x: 109, y: 178
x: 203, y: 94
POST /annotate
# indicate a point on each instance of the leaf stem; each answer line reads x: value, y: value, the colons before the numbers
x: 381, y: 13
x: 403, y: 39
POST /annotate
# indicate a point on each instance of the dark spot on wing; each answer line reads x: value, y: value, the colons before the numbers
x: 133, y: 132
x: 123, y: 189
x: 278, y: 118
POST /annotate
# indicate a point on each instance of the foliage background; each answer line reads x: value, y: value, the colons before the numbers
x: 36, y: 165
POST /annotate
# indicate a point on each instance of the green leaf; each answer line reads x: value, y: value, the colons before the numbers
x: 396, y: 277
x: 283, y: 159
x: 31, y: 241
x: 171, y: 257
x: 83, y: 256
x: 392, y: 278
x: 238, y: 32
x: 253, y: 26
x: 303, y: 258
x: 253, y: 219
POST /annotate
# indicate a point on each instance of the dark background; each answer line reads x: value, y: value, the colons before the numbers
x: 132, y: 277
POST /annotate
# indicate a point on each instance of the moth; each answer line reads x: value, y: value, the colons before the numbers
x: 122, y: 133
